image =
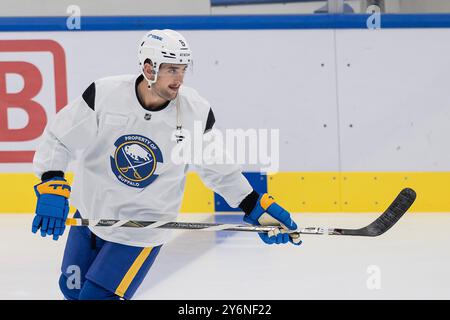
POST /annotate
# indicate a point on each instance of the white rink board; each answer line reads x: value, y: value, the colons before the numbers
x: 394, y: 93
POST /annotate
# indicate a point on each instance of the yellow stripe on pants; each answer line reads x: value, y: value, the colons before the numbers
x: 131, y: 273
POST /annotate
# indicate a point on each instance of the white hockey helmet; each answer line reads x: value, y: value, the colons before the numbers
x: 163, y: 46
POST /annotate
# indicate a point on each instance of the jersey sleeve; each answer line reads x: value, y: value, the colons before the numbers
x: 224, y: 178
x: 72, y: 129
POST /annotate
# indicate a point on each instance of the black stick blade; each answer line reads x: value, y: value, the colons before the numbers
x: 393, y: 213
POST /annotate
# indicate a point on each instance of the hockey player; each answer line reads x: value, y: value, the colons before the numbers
x: 120, y: 131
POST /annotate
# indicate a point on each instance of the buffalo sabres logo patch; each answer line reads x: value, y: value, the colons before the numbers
x: 135, y: 160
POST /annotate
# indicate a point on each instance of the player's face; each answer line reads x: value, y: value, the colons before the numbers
x: 170, y: 78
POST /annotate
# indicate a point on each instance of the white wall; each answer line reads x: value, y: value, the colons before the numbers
x: 393, y: 99
x: 289, y: 8
x: 280, y: 8
x: 421, y: 6
x: 346, y: 99
x: 104, y: 7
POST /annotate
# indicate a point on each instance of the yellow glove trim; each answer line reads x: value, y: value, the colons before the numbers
x: 266, y: 201
x: 56, y: 187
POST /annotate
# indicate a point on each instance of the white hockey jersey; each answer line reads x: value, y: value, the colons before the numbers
x: 123, y: 151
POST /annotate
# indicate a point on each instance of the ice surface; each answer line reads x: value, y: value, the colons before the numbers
x: 412, y: 261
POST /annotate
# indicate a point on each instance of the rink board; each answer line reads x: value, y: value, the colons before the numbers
x: 296, y: 191
x: 360, y: 113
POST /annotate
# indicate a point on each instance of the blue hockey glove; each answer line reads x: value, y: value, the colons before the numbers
x: 268, y: 212
x: 52, y: 207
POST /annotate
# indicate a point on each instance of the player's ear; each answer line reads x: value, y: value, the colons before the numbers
x: 148, y: 70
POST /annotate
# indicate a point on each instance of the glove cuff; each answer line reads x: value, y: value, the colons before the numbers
x: 249, y: 202
x: 55, y: 186
x: 257, y: 209
x: 49, y: 175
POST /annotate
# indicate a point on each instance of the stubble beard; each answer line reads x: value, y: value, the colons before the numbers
x: 166, y: 94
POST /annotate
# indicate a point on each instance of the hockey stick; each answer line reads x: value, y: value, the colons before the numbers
x: 383, y: 223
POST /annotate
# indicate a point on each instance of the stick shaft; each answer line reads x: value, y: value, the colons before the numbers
x: 189, y: 226
x: 390, y: 216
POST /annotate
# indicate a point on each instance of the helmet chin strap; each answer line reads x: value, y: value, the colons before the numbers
x: 149, y: 81
x: 179, y: 126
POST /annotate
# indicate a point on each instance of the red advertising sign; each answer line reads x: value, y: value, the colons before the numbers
x: 40, y: 83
